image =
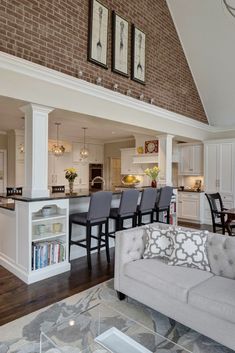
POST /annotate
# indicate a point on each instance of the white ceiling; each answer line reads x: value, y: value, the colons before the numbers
x: 71, y: 123
x: 207, y: 32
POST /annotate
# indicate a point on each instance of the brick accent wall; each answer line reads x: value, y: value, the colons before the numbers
x: 54, y: 33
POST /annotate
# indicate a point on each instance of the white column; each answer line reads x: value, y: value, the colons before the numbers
x: 36, y: 150
x: 165, y: 158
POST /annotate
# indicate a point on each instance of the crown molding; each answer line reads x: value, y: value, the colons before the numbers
x: 36, y: 71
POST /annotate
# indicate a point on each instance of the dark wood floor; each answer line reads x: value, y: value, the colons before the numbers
x: 18, y: 299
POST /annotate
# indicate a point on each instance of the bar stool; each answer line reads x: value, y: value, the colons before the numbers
x: 97, y: 215
x: 163, y: 202
x: 126, y: 210
x: 147, y: 204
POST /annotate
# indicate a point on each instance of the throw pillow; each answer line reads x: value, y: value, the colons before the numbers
x: 189, y: 249
x: 158, y: 242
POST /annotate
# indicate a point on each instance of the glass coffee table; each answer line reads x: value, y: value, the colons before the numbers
x: 102, y: 329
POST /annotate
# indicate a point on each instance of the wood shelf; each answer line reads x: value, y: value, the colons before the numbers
x: 47, y: 236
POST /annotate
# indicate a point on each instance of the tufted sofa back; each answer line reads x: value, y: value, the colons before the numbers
x: 221, y: 254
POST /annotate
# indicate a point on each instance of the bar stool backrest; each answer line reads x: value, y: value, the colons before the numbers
x: 165, y: 196
x: 100, y: 204
x: 148, y: 199
x: 128, y: 203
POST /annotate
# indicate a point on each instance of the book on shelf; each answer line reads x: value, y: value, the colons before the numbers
x: 47, y: 253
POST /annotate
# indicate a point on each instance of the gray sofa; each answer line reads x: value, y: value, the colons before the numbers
x: 204, y: 301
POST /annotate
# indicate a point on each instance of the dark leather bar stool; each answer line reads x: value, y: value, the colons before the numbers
x: 163, y: 202
x: 126, y: 210
x: 147, y: 205
x: 97, y: 215
x: 58, y: 189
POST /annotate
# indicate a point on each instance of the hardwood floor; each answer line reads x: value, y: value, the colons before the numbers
x: 18, y: 299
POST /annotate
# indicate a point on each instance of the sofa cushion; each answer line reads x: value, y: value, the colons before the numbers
x: 221, y: 254
x: 189, y: 249
x: 158, y: 242
x: 173, y: 281
x: 215, y: 296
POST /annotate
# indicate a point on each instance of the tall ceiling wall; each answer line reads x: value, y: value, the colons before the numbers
x: 54, y: 33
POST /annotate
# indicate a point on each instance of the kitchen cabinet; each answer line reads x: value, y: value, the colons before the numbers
x: 15, y: 158
x: 191, y: 159
x: 82, y: 181
x: 191, y: 206
x: 219, y: 172
x: 96, y: 153
x: 127, y: 166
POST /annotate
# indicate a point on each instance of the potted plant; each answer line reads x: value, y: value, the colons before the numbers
x: 153, y: 174
x: 71, y: 175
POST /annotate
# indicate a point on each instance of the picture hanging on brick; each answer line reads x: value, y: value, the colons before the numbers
x: 98, y: 33
x: 120, y: 42
x: 138, y: 55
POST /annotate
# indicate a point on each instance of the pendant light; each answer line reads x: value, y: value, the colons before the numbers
x: 84, y: 153
x: 58, y: 149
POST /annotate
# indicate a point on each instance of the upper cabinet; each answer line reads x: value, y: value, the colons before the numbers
x: 191, y: 159
x: 96, y: 152
x: 127, y: 166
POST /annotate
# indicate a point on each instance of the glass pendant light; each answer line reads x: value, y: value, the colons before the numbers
x: 84, y: 153
x: 58, y: 149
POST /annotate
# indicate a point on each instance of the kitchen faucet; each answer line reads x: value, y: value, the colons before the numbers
x: 98, y: 178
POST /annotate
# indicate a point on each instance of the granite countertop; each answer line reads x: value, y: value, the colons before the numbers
x: 8, y: 206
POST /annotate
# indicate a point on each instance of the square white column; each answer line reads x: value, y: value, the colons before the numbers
x: 165, y: 158
x: 36, y: 150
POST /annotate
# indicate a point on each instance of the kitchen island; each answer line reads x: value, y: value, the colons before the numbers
x: 34, y: 243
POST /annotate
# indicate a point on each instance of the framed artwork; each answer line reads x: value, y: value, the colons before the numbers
x: 98, y: 33
x: 120, y: 42
x: 151, y: 146
x: 138, y: 55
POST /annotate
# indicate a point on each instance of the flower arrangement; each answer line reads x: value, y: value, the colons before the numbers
x: 71, y: 174
x: 152, y: 172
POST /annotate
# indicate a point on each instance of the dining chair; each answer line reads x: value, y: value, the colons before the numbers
x: 217, y: 214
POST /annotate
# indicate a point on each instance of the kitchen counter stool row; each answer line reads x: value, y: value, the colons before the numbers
x: 153, y: 202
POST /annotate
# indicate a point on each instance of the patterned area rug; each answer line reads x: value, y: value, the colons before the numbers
x: 22, y: 335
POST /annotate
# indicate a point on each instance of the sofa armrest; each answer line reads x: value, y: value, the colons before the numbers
x: 129, y: 246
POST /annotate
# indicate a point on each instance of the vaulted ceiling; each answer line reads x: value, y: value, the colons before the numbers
x: 207, y: 33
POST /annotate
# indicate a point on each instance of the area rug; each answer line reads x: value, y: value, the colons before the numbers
x: 22, y: 335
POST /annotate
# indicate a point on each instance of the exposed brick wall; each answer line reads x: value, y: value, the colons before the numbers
x: 54, y: 33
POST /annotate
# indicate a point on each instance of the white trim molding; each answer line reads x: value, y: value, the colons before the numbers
x: 22, y: 79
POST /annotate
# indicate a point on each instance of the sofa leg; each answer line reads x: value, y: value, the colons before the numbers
x: 121, y: 296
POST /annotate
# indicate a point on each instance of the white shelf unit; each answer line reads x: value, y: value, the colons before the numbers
x: 39, y: 237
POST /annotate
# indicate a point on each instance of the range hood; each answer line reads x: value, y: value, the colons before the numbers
x: 145, y: 158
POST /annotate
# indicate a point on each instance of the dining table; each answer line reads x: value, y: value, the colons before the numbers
x: 230, y: 213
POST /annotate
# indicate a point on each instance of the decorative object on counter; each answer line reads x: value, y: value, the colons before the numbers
x: 138, y: 55
x: 40, y: 229
x: 14, y: 191
x: 151, y: 146
x: 84, y: 153
x: 140, y: 150
x: 130, y: 180
x: 47, y: 211
x: 98, y: 33
x: 57, y: 227
x: 58, y: 149
x: 120, y: 45
x: 153, y: 174
x: 58, y: 189
x: 71, y: 175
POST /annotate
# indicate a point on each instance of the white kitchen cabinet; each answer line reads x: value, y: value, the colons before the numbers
x: 96, y: 153
x: 127, y: 166
x: 219, y: 172
x: 191, y: 206
x: 82, y: 181
x: 76, y: 149
x: 191, y: 159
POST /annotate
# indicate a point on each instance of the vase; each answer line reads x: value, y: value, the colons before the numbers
x: 154, y: 183
x: 71, y: 187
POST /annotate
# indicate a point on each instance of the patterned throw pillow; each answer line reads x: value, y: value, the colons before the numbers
x: 158, y: 242
x: 189, y: 249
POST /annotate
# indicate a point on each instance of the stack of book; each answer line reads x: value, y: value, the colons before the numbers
x: 47, y: 253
